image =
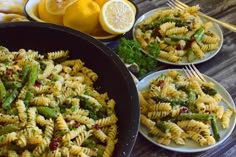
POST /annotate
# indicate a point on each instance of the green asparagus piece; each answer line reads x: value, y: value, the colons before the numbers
x: 190, y: 55
x: 7, y: 102
x: 215, y: 128
x: 33, y: 75
x: 47, y: 111
x: 192, y: 96
x: 13, y: 84
x: 162, y: 126
x: 169, y: 41
x: 173, y: 102
x: 8, y: 129
x: 26, y: 70
x: 195, y: 116
x: 179, y: 37
x: 199, y: 34
x: 209, y: 90
x: 100, y: 151
x: 28, y: 96
x: 158, y: 22
x: 3, y: 91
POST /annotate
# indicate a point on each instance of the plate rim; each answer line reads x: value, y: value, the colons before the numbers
x: 228, y: 97
x: 215, y: 26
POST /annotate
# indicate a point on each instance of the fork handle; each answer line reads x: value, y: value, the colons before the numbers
x: 226, y: 25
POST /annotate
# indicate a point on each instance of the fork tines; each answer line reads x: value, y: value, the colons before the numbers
x: 176, y: 4
x: 192, y: 71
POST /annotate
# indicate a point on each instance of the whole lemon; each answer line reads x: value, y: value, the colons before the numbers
x: 83, y: 15
x: 46, y: 16
x: 101, y: 2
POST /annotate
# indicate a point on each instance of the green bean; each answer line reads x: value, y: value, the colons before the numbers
x: 199, y: 34
x: 26, y: 70
x: 47, y: 111
x: 8, y: 128
x: 33, y: 75
x: 3, y: 91
x: 195, y: 116
x: 179, y: 37
x: 215, y: 128
x: 7, y: 102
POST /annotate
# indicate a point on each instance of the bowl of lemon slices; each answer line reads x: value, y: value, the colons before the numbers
x: 101, y: 19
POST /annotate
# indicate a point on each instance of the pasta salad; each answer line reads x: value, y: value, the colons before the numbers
x: 174, y: 108
x: 181, y: 35
x: 49, y: 107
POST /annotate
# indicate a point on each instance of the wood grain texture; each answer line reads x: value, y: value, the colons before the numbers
x: 222, y: 68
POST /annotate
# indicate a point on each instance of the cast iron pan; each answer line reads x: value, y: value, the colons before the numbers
x: 113, y: 75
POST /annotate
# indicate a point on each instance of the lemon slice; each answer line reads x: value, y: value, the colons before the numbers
x: 117, y: 17
x: 58, y: 7
x: 47, y: 17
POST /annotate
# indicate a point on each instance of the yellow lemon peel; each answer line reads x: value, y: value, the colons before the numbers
x: 58, y: 7
x: 117, y: 17
x: 83, y: 15
x: 46, y: 16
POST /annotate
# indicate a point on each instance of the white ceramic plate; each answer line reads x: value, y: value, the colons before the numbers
x: 190, y: 146
x: 216, y: 29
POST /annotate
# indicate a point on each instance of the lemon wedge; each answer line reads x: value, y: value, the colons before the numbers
x: 117, y: 17
x: 58, y: 7
x: 46, y: 16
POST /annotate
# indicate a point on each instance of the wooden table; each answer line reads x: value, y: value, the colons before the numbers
x: 222, y: 68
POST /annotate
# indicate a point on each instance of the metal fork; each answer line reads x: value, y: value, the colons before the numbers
x: 192, y: 71
x: 180, y: 5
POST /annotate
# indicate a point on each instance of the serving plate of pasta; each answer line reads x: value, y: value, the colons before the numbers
x: 184, y: 115
x: 178, y: 37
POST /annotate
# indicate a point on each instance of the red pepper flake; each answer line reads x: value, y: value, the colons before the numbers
x: 19, y: 71
x: 178, y: 47
x: 96, y: 126
x: 94, y: 149
x: 9, y: 72
x: 67, y: 120
x: 184, y: 110
x: 160, y: 83
x: 208, y: 111
x: 38, y: 84
x: 54, y: 144
x: 76, y: 125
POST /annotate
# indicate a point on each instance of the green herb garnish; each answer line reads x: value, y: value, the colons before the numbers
x: 130, y: 52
